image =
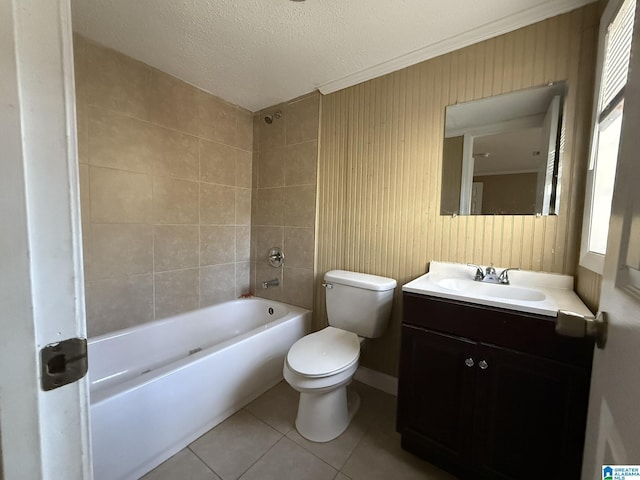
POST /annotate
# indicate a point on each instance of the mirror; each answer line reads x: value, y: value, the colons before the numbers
x: 501, y: 154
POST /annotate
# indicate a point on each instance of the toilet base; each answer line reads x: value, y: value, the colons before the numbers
x: 324, y: 416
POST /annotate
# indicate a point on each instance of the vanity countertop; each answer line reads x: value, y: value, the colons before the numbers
x: 549, y: 292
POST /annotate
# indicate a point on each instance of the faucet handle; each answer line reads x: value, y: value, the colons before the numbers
x: 479, y: 275
x: 504, y: 276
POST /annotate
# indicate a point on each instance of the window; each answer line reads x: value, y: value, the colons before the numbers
x: 616, y: 29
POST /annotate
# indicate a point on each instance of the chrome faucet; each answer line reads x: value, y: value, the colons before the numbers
x: 490, y: 275
x: 504, y: 277
x: 271, y: 283
x: 479, y: 273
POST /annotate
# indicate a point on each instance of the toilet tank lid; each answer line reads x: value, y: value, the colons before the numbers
x: 360, y: 280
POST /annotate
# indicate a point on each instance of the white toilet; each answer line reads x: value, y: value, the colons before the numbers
x: 322, y: 364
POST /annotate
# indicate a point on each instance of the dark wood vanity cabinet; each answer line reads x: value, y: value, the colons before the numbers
x: 490, y: 393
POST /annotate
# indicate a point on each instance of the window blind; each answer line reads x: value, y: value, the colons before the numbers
x: 617, y: 54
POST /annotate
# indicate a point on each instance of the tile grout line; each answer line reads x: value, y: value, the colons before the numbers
x: 201, y: 460
x: 285, y: 435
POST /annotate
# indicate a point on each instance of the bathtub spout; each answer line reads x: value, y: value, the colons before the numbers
x: 271, y: 283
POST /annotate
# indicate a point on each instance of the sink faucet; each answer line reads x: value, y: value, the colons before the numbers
x: 504, y: 277
x: 479, y: 273
x: 271, y: 283
x: 490, y: 275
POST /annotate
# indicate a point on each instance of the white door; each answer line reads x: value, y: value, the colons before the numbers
x: 44, y: 434
x: 613, y: 428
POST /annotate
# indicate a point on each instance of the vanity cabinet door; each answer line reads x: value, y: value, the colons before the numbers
x: 530, y: 416
x: 436, y: 391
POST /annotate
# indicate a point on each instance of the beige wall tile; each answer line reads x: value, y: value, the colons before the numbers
x: 257, y: 121
x: 80, y: 46
x: 273, y: 135
x: 118, y: 303
x: 117, y: 82
x: 217, y: 284
x: 175, y: 201
x: 243, y: 278
x: 254, y: 242
x: 217, y: 163
x: 243, y: 206
x: 299, y: 206
x: 85, y: 194
x: 176, y: 154
x: 226, y: 123
x: 301, y: 163
x: 298, y: 287
x: 175, y: 104
x: 217, y: 204
x: 176, y: 292
x: 299, y: 247
x: 269, y: 206
x: 243, y: 244
x: 245, y: 129
x: 243, y: 168
x: 265, y: 272
x: 302, y: 118
x: 271, y: 168
x: 82, y: 132
x: 217, y: 244
x: 255, y: 161
x: 121, y: 142
x: 86, y: 250
x: 176, y: 247
x: 120, y: 250
x: 218, y: 120
x: 266, y: 239
x: 119, y: 197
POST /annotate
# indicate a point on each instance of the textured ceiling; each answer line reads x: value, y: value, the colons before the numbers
x: 256, y: 53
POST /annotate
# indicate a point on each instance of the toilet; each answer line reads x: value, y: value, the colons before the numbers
x: 322, y: 364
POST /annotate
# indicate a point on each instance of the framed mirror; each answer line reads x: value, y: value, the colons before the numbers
x: 501, y: 154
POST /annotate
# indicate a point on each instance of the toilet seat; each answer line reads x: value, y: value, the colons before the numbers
x: 324, y: 353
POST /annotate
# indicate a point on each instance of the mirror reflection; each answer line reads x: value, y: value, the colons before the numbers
x: 501, y: 155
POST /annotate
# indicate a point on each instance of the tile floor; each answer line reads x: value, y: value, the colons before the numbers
x: 260, y: 442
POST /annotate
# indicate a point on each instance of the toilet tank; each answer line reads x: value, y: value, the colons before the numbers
x: 359, y: 302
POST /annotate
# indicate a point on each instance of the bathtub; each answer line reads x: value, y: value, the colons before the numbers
x: 157, y: 387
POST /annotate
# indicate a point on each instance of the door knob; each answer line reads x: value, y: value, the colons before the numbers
x: 571, y: 324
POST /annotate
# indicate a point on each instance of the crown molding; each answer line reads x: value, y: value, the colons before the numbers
x: 476, y: 35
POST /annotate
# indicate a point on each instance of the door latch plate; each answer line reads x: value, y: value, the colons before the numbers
x: 63, y: 363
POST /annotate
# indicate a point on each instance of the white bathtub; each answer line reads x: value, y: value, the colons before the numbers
x: 157, y: 387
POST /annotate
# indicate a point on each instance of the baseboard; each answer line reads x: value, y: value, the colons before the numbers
x: 378, y: 380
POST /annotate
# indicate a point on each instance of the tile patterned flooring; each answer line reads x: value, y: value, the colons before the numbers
x: 260, y: 442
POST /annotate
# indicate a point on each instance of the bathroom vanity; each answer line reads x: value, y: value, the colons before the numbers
x: 487, y: 391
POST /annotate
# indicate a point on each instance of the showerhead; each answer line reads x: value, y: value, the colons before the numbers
x: 269, y: 118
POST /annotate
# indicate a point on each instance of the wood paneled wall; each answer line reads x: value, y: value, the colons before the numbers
x: 381, y: 158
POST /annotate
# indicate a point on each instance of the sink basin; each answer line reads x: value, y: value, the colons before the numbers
x: 510, y: 292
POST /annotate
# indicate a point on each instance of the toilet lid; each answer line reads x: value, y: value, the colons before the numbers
x: 323, y: 353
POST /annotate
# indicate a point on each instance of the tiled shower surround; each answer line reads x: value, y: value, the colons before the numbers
x: 284, y: 199
x: 165, y: 177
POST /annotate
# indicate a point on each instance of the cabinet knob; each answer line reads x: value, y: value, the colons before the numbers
x: 469, y: 362
x: 483, y: 365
